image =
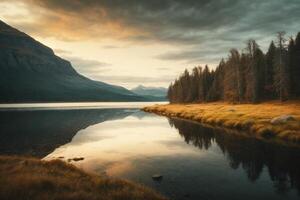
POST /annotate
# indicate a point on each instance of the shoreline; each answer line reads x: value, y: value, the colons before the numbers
x: 253, y: 119
x: 31, y: 178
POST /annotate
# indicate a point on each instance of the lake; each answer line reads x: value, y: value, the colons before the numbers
x: 119, y: 140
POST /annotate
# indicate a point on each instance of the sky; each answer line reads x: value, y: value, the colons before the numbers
x: 149, y: 42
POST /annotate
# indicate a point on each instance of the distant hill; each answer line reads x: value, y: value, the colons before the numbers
x: 31, y: 72
x: 158, y: 93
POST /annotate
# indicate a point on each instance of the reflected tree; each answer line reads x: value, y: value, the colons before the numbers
x: 252, y: 155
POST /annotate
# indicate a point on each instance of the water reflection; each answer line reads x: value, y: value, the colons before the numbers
x: 39, y: 132
x: 196, y: 162
x: 282, y: 162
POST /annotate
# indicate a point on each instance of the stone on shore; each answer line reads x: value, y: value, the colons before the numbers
x: 282, y: 119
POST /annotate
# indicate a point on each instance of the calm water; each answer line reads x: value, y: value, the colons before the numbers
x: 196, y: 162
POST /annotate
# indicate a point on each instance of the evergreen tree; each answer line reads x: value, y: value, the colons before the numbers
x: 259, y: 73
x: 281, y: 68
x: 294, y: 63
x: 269, y: 87
x: 232, y: 77
x: 291, y: 66
x: 217, y: 88
x: 194, y: 88
x: 247, y: 77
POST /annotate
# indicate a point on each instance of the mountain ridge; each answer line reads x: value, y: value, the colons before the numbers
x: 155, y: 92
x: 31, y: 72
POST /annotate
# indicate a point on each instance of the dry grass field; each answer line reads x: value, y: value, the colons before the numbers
x: 29, y: 178
x: 253, y: 118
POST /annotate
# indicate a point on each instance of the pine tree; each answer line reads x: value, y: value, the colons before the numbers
x: 250, y: 76
x: 255, y: 70
x: 194, y: 88
x: 269, y: 87
x: 281, y: 68
x: 205, y: 82
x: 295, y: 67
x: 216, y: 91
x: 259, y: 73
x: 291, y: 66
x: 232, y: 77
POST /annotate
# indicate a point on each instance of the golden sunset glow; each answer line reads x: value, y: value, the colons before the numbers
x: 116, y: 42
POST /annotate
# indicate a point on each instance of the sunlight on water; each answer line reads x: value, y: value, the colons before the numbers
x: 78, y: 105
x: 112, y: 145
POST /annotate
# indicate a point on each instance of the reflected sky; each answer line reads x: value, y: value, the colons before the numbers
x: 112, y: 145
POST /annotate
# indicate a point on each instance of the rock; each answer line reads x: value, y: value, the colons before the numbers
x: 282, y: 119
x: 157, y: 177
x: 231, y: 110
x: 78, y: 159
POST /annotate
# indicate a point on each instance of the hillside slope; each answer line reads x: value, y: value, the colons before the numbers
x: 31, y: 72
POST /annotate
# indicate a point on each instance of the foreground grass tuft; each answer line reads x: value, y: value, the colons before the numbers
x: 29, y: 178
x: 253, y: 118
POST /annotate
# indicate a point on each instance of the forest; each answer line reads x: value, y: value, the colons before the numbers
x: 249, y: 76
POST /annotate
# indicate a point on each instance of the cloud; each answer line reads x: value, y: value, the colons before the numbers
x: 110, y: 47
x: 86, y: 66
x: 194, y: 56
x: 197, y: 31
x: 85, y: 63
x: 135, y: 80
x: 190, y: 21
x: 198, y: 24
x: 163, y: 68
x: 62, y: 52
x: 95, y: 69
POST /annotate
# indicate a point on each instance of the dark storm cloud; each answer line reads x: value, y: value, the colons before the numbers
x: 221, y: 24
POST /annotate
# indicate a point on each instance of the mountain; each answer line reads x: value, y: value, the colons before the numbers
x: 158, y: 93
x: 31, y: 72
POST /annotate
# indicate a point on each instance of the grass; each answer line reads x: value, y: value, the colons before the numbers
x: 30, y: 178
x: 252, y: 118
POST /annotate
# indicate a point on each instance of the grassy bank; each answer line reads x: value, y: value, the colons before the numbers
x: 252, y: 118
x: 29, y: 178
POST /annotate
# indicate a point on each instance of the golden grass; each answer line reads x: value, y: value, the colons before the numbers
x: 253, y: 118
x: 29, y: 178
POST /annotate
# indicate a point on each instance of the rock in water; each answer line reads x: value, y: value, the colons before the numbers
x: 75, y: 159
x: 282, y: 119
x: 157, y: 177
x: 78, y: 159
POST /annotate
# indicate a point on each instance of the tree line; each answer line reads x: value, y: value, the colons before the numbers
x: 247, y: 76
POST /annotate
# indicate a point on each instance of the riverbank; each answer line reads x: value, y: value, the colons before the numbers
x: 266, y: 120
x: 30, y: 178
